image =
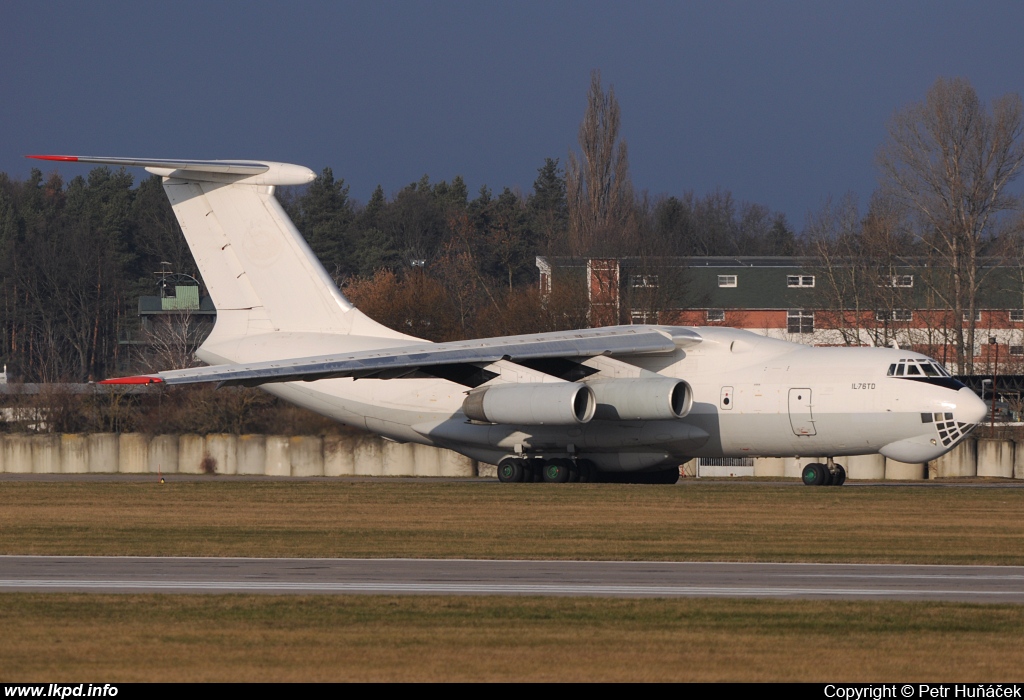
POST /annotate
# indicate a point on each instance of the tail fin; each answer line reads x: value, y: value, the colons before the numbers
x: 259, y: 271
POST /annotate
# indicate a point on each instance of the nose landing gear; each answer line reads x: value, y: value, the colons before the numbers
x: 830, y: 474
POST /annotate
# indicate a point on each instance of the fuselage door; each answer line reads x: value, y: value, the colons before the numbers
x: 800, y: 415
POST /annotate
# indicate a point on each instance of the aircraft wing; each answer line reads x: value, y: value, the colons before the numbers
x: 448, y: 360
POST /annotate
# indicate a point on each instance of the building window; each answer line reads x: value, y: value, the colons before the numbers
x: 1017, y: 350
x: 900, y: 281
x: 800, y: 281
x: 799, y: 321
x: 727, y: 280
x: 1017, y: 315
x: 643, y: 281
x: 977, y: 316
x: 714, y: 315
x: 641, y: 316
x: 903, y: 315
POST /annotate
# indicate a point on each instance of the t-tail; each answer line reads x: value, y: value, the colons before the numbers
x: 259, y: 271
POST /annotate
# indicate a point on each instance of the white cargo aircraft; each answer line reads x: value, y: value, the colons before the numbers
x: 623, y: 403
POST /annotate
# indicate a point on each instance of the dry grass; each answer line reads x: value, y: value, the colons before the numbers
x: 105, y: 638
x: 705, y: 521
x: 108, y: 638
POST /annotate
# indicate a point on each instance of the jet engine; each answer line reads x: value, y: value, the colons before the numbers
x: 562, y: 403
x: 655, y: 398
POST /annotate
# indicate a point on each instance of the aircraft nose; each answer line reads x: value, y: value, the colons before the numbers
x: 969, y: 408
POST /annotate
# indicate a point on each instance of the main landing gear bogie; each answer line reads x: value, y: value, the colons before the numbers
x: 513, y: 470
x: 817, y: 474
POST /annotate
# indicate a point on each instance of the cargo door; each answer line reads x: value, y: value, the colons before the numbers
x: 800, y: 413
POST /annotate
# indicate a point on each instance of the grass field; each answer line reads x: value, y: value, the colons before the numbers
x: 103, y: 638
x: 706, y: 521
x: 108, y: 638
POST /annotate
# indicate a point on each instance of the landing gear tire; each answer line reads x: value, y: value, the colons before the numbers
x: 587, y: 471
x: 829, y: 477
x: 530, y: 469
x: 669, y: 476
x: 814, y: 474
x: 839, y: 478
x: 510, y: 470
x: 557, y: 471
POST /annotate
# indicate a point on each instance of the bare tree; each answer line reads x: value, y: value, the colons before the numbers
x: 170, y: 342
x: 599, y: 194
x: 949, y: 160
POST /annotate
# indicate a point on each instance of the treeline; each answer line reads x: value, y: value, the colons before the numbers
x: 431, y: 259
x: 74, y: 258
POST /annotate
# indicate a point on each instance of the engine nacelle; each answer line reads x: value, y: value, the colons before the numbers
x: 562, y: 403
x: 655, y: 398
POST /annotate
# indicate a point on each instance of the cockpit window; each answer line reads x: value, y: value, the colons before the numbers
x: 913, y: 367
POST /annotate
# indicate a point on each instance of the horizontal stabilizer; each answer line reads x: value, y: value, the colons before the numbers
x: 252, y: 171
x: 396, y: 362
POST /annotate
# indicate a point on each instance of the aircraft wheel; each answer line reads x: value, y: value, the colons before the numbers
x: 839, y: 478
x: 586, y: 470
x: 814, y: 474
x: 829, y: 476
x: 556, y: 471
x: 529, y: 470
x: 538, y: 470
x: 668, y: 476
x: 510, y: 470
x: 574, y: 471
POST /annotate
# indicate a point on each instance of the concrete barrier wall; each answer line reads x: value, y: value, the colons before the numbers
x: 367, y: 455
x: 271, y: 455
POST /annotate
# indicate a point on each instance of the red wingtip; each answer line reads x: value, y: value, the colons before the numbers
x: 133, y: 380
x: 69, y: 159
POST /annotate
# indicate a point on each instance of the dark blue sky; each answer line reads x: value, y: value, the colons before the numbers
x: 783, y: 103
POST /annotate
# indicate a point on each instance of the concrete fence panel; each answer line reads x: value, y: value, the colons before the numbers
x: 46, y: 454
x: 222, y: 448
x: 163, y: 454
x: 454, y: 464
x: 368, y: 455
x: 133, y: 453
x: 306, y: 455
x: 191, y: 450
x: 17, y: 451
x: 74, y: 453
x: 995, y: 458
x: 864, y: 467
x: 426, y: 460
x: 279, y: 462
x: 104, y: 453
x: 1018, y: 461
x: 903, y: 471
x: 252, y: 454
x: 960, y: 461
x: 397, y: 459
x: 338, y: 459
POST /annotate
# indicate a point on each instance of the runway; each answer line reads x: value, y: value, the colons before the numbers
x: 977, y: 584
